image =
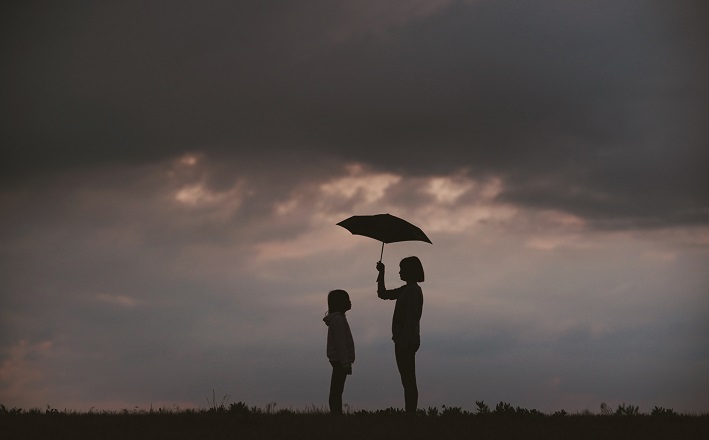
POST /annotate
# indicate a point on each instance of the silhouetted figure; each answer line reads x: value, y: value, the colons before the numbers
x: 405, y: 323
x: 340, y: 345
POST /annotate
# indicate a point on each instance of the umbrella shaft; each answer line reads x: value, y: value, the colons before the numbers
x: 380, y: 255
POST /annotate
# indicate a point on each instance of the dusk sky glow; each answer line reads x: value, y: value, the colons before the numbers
x: 172, y: 173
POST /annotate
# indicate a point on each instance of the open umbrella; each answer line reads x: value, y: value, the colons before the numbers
x: 385, y: 228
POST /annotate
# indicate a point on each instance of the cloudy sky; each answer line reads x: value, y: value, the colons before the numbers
x: 172, y: 171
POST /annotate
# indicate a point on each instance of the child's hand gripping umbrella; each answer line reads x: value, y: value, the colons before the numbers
x: 385, y: 228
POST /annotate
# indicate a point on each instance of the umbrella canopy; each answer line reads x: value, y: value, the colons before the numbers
x: 385, y: 228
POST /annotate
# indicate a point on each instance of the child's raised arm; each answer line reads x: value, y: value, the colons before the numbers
x: 382, y: 291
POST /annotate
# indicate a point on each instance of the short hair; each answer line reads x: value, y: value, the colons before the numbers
x: 412, y: 269
x: 337, y: 301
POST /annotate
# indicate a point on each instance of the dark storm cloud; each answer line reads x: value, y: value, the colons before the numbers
x: 595, y: 109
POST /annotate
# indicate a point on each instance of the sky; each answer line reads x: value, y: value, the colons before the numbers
x: 172, y: 173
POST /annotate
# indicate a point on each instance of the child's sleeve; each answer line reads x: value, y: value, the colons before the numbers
x: 389, y: 294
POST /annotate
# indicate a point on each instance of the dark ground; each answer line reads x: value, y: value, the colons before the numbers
x: 289, y: 425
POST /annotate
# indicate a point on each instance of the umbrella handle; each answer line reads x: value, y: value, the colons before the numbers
x: 380, y: 277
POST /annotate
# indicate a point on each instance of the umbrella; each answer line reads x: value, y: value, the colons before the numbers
x: 385, y: 228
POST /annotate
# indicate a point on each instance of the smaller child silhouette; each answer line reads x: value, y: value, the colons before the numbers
x: 340, y: 346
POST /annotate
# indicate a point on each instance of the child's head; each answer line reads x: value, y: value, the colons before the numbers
x: 338, y: 301
x: 411, y: 270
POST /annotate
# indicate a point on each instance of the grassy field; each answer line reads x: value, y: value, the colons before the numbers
x: 238, y: 421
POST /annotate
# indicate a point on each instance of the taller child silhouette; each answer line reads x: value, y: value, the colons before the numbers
x: 405, y: 325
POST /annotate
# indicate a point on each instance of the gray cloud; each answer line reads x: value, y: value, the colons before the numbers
x: 597, y: 110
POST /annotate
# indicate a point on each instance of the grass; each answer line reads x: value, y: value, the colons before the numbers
x: 241, y: 421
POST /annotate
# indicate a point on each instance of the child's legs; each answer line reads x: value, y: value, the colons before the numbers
x: 406, y: 362
x: 337, y: 386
